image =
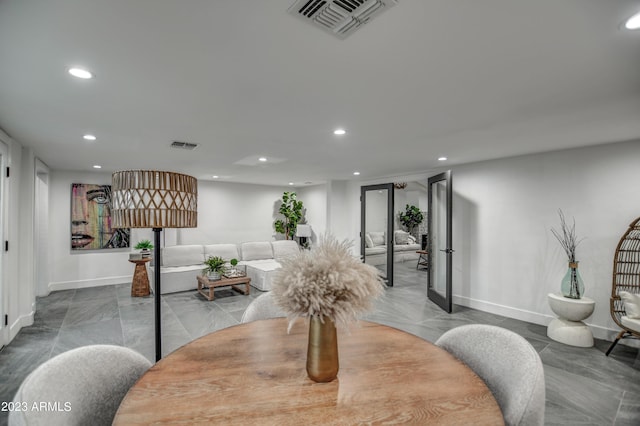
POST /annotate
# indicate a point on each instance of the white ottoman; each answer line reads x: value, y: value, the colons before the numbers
x: 568, y: 328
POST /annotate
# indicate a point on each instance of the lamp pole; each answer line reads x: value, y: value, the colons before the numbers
x: 156, y: 291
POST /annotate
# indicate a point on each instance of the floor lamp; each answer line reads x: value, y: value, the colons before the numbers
x: 303, y: 232
x: 153, y: 199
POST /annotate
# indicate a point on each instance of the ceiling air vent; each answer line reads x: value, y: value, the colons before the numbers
x: 184, y: 145
x: 339, y: 17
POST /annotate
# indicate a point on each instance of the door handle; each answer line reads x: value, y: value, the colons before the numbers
x: 448, y: 251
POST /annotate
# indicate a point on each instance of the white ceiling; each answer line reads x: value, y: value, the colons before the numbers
x: 471, y: 80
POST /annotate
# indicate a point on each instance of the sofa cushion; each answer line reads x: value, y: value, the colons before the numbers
x: 257, y: 250
x: 631, y: 323
x: 178, y: 269
x: 631, y: 304
x: 182, y: 255
x: 261, y: 273
x: 225, y: 251
x: 284, y: 248
x: 406, y: 247
x: 375, y: 250
x: 401, y: 237
x: 377, y: 238
x: 367, y: 240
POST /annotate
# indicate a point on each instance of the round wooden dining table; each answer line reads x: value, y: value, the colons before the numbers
x: 255, y: 374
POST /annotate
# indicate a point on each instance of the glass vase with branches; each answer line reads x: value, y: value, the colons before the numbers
x: 572, y: 284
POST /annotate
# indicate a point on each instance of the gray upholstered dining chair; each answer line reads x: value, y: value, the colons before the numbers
x: 263, y: 307
x: 83, y: 386
x: 507, y: 363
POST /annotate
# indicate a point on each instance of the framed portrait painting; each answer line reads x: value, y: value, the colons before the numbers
x: 91, y: 219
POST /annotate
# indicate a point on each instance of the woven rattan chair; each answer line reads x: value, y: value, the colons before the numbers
x: 626, y: 277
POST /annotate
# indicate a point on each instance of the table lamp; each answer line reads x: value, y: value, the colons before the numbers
x: 303, y: 232
x: 154, y: 199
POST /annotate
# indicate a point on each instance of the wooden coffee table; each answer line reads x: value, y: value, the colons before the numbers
x: 204, y: 281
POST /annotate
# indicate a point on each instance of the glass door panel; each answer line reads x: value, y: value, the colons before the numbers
x: 376, y: 232
x: 440, y: 240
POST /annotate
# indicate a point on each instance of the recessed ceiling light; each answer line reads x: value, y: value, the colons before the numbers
x: 80, y: 73
x: 356, y: 173
x: 633, y: 23
x: 442, y: 158
x: 89, y: 137
x: 263, y: 159
x: 216, y: 176
x: 339, y: 132
x: 290, y: 183
x: 97, y: 166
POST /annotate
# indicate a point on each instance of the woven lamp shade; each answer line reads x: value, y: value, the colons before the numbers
x: 153, y: 199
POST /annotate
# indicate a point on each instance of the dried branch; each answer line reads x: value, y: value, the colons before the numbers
x: 567, y: 237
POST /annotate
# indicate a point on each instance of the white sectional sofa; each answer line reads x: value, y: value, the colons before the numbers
x: 404, y: 247
x: 180, y: 265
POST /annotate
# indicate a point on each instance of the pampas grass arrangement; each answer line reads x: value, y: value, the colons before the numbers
x: 326, y: 281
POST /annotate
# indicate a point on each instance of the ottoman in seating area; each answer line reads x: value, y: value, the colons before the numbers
x: 261, y: 260
x: 181, y: 264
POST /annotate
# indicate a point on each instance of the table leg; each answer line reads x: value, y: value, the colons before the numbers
x: 140, y: 285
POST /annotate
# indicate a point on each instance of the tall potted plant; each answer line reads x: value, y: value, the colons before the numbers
x: 411, y: 218
x: 292, y: 210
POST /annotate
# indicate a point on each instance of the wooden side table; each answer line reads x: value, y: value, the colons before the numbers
x: 140, y: 285
x: 423, y: 260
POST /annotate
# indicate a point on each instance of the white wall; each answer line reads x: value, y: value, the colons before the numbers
x: 77, y: 268
x: 17, y: 293
x: 506, y: 259
x: 233, y: 213
x: 314, y: 199
x: 377, y: 210
x: 227, y: 213
x: 41, y: 229
x: 403, y: 197
x: 26, y: 245
x: 343, y: 220
x: 507, y: 256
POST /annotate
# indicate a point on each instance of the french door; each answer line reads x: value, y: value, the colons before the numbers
x: 439, y: 240
x: 376, y: 228
x: 4, y: 332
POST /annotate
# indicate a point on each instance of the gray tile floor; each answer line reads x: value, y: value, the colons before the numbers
x: 583, y: 386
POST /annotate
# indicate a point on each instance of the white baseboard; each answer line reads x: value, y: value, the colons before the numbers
x: 22, y: 321
x: 599, y: 332
x: 94, y: 282
x: 503, y: 310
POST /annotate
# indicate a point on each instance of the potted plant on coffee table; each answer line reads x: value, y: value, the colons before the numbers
x: 215, y: 267
x: 233, y: 271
